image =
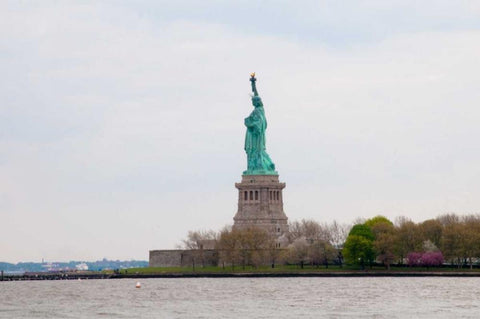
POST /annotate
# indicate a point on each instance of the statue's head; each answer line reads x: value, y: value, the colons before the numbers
x: 257, y: 101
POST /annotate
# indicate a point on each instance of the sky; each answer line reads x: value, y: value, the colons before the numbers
x: 121, y: 122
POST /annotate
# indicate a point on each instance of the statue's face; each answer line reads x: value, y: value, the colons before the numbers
x: 257, y: 101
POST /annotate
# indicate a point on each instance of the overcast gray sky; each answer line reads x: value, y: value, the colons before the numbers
x: 121, y: 122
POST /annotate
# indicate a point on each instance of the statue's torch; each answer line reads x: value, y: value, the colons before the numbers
x: 254, y: 87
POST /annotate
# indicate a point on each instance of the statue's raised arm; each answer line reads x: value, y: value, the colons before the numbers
x: 254, y: 87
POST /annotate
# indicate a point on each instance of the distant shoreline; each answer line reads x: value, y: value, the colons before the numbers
x: 345, y: 274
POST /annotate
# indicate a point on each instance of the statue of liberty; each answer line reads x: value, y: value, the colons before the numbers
x: 259, y: 163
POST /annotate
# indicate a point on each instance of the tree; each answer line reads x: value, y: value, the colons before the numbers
x: 321, y: 252
x: 460, y: 241
x: 431, y: 230
x: 228, y: 246
x: 338, y: 236
x: 338, y: 233
x: 358, y: 248
x: 308, y: 229
x: 452, y: 241
x: 275, y: 254
x: 471, y: 237
x: 429, y: 246
x: 414, y: 259
x: 426, y: 259
x: 248, y: 246
x: 197, y: 241
x: 295, y: 230
x: 384, y: 243
x: 384, y: 238
x: 376, y: 220
x: 254, y: 244
x: 407, y: 239
x: 432, y: 259
x: 298, y: 252
x: 311, y: 242
x: 362, y: 230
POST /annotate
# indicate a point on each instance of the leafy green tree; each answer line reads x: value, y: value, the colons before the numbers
x: 358, y: 248
x: 362, y: 230
x: 384, y: 239
x: 377, y: 219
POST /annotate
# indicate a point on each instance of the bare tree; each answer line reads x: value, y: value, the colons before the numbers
x: 228, y: 245
x: 249, y: 246
x: 317, y: 243
x: 298, y: 252
x: 408, y: 238
x: 197, y: 242
x: 338, y: 233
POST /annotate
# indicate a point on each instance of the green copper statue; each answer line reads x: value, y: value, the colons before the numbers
x: 259, y: 163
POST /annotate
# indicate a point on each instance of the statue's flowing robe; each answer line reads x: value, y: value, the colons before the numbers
x: 255, y: 145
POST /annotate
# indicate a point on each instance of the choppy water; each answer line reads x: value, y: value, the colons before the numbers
x: 244, y: 298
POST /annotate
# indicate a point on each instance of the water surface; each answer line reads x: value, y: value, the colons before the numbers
x: 243, y: 298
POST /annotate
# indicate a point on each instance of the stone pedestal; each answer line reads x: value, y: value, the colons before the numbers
x: 260, y: 204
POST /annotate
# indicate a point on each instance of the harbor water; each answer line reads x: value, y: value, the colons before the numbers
x: 385, y: 297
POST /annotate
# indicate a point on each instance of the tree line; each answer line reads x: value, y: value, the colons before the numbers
x: 448, y: 239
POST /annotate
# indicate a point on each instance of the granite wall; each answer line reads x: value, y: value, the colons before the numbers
x: 181, y: 258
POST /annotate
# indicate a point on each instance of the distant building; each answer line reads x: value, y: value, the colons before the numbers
x: 81, y: 267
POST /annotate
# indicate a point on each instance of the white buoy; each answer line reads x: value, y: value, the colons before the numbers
x: 138, y: 285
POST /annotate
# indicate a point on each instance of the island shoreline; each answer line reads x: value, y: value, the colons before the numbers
x: 338, y: 274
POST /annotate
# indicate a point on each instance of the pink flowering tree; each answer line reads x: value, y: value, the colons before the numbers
x: 432, y: 259
x: 414, y: 259
x: 426, y: 259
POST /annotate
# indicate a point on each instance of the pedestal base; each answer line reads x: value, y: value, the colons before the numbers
x: 260, y: 204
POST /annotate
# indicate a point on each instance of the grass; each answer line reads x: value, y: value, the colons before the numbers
x: 227, y: 269
x: 281, y: 269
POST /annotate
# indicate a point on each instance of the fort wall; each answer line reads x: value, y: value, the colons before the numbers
x: 182, y: 257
